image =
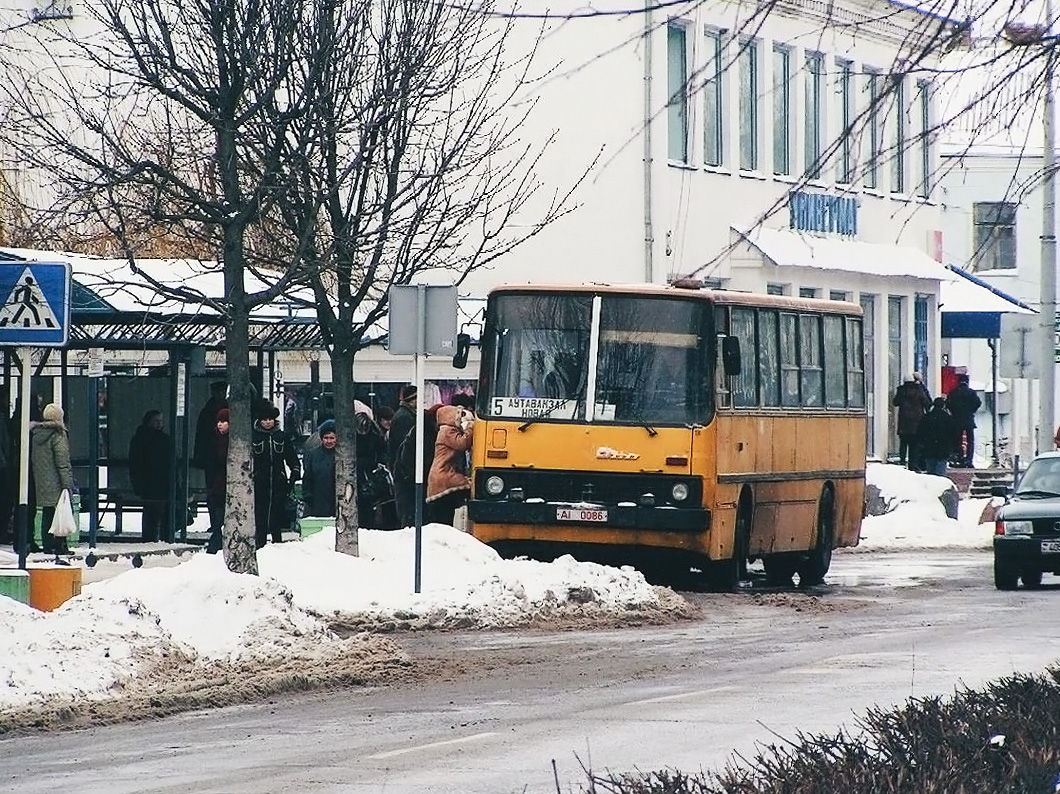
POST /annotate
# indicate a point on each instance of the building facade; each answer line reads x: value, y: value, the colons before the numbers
x: 789, y: 152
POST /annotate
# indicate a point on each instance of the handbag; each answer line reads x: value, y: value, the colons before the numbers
x: 63, y: 523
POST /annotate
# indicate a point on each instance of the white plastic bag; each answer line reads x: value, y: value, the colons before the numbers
x: 63, y: 524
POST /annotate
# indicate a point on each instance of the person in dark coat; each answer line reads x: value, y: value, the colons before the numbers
x: 318, y: 480
x: 912, y: 402
x: 216, y: 472
x: 935, y: 437
x: 49, y: 445
x: 404, y: 478
x: 150, y: 452
x: 374, y: 487
x: 276, y: 469
x: 205, y: 426
x: 962, y: 403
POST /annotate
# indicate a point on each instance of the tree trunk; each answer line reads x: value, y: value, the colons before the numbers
x: 346, y: 517
x: 238, y: 533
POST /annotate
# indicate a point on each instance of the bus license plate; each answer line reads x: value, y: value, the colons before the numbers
x: 1050, y: 546
x: 580, y: 514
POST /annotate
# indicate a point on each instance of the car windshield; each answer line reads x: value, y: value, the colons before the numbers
x: 1041, y: 477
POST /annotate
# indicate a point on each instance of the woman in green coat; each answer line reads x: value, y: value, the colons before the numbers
x: 49, y: 446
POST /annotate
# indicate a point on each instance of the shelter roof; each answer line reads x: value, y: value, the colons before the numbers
x: 159, y: 303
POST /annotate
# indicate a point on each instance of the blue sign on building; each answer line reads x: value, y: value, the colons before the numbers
x: 36, y: 304
x: 824, y: 213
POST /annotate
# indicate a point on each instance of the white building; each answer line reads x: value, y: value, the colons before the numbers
x: 790, y: 152
x: 990, y: 191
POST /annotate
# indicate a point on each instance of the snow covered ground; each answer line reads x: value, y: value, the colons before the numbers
x: 163, y: 633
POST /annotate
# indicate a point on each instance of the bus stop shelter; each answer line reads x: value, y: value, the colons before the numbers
x: 170, y: 313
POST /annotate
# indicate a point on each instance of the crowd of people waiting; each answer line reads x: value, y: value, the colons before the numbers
x: 935, y: 433
x: 385, y: 464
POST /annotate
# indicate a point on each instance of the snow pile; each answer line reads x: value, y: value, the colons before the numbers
x: 159, y: 633
x: 915, y: 517
x: 462, y: 582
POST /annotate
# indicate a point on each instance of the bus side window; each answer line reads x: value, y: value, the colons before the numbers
x: 789, y: 360
x: 768, y: 357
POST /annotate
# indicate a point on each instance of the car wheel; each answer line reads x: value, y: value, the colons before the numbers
x: 1006, y: 577
x: 1031, y: 579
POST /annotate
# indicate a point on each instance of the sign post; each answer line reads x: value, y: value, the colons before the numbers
x: 35, y: 313
x: 422, y: 322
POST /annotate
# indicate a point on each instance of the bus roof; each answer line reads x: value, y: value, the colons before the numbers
x: 718, y: 296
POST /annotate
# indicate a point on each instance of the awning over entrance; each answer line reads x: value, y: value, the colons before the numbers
x: 792, y: 249
x: 970, y: 307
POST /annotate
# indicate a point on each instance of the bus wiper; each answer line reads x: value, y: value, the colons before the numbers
x: 545, y: 414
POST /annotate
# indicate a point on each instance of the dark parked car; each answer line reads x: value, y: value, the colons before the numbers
x: 1027, y: 529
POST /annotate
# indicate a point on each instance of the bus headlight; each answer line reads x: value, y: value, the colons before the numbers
x: 494, y: 485
x: 679, y: 492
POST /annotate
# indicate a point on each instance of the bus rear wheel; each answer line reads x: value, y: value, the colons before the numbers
x: 815, y: 567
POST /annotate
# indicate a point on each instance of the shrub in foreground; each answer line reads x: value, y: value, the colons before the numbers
x: 1002, y: 740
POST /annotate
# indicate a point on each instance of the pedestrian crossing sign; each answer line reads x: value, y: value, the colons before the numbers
x: 36, y: 307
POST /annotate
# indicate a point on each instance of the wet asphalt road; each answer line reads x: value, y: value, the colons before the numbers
x: 758, y: 667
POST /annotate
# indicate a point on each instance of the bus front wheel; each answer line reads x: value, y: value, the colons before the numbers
x: 726, y: 575
x: 814, y: 568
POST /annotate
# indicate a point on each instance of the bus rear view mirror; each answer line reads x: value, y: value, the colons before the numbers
x: 730, y: 355
x: 463, y: 347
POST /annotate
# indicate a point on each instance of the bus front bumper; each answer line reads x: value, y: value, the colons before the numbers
x: 693, y: 519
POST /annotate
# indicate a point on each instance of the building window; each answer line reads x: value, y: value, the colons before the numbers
x: 995, y: 235
x: 748, y: 104
x: 900, y: 143
x: 920, y: 334
x: 677, y: 91
x: 845, y: 96
x: 923, y: 182
x: 713, y: 113
x: 776, y: 289
x: 814, y: 110
x: 781, y: 110
x: 807, y: 292
x: 874, y: 110
x: 838, y: 295
x: 894, y: 360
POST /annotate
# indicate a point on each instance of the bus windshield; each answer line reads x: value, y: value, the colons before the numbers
x: 649, y: 358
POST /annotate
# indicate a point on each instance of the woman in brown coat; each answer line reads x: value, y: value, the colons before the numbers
x: 52, y: 472
x: 448, y: 485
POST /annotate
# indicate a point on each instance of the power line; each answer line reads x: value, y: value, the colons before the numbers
x: 547, y: 15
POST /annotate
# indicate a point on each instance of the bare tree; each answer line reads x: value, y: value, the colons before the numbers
x: 187, y: 135
x: 414, y: 168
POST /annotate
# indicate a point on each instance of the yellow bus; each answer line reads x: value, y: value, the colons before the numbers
x: 672, y: 428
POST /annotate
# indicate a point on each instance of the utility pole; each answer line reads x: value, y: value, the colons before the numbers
x: 1047, y: 395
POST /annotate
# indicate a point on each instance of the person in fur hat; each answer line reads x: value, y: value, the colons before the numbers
x: 276, y: 469
x: 448, y: 485
x: 52, y: 472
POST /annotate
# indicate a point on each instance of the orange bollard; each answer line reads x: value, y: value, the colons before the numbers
x: 51, y: 586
